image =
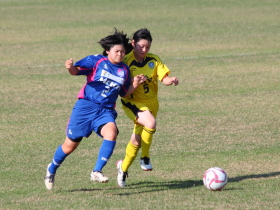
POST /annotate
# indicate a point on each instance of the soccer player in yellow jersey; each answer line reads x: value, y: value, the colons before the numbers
x: 142, y: 106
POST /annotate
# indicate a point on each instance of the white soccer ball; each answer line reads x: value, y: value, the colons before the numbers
x: 215, y: 179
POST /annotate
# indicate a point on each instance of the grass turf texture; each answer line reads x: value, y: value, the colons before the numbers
x: 224, y: 113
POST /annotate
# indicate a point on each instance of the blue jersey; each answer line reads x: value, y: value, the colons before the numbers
x: 105, y: 81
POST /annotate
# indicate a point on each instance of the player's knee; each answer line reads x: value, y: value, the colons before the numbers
x: 150, y: 123
x: 70, y: 145
x: 147, y: 119
x: 110, y: 131
x: 111, y: 136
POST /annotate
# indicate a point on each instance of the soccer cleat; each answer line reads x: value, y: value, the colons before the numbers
x: 98, y: 176
x: 121, y: 174
x: 146, y: 164
x: 49, y: 179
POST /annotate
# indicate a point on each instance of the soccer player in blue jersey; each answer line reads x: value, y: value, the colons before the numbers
x: 107, y: 77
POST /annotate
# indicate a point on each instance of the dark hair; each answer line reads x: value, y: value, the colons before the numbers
x: 142, y: 33
x: 118, y: 37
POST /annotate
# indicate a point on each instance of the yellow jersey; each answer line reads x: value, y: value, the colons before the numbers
x: 153, y: 69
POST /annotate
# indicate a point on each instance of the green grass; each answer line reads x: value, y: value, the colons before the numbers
x: 224, y: 112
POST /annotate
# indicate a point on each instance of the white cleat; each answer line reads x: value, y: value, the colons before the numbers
x: 146, y: 164
x: 49, y: 179
x: 98, y: 176
x: 121, y: 174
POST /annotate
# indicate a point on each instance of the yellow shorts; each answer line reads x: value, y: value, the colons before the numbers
x: 131, y: 109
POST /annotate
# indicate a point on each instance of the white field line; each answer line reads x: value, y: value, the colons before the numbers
x: 183, y: 58
x: 44, y: 66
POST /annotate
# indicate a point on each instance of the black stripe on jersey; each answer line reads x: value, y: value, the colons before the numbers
x: 137, y: 64
x: 133, y: 108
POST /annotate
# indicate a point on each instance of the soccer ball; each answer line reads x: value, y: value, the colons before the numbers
x: 215, y: 179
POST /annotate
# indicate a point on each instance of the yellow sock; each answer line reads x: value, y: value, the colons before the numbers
x: 147, y: 137
x: 130, y: 154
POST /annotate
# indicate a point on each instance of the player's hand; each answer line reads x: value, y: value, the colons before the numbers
x: 73, y: 70
x: 139, y: 78
x: 174, y: 80
x: 69, y: 63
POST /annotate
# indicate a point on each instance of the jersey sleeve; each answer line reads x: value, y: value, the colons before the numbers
x: 86, y: 64
x: 162, y: 69
x: 126, y: 83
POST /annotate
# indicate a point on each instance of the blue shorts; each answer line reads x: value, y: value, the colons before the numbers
x: 87, y: 117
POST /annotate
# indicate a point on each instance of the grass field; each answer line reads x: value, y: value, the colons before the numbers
x: 225, y: 111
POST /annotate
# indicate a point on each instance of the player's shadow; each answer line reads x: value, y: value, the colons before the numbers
x: 253, y: 176
x: 160, y: 186
x: 144, y: 187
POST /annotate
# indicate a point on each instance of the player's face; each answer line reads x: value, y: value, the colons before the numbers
x: 141, y: 48
x: 116, y: 54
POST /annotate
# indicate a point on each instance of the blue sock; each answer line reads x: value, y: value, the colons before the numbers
x: 58, y: 158
x: 105, y: 152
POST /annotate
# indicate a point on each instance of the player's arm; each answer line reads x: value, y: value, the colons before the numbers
x: 73, y: 70
x: 170, y: 80
x: 135, y: 82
